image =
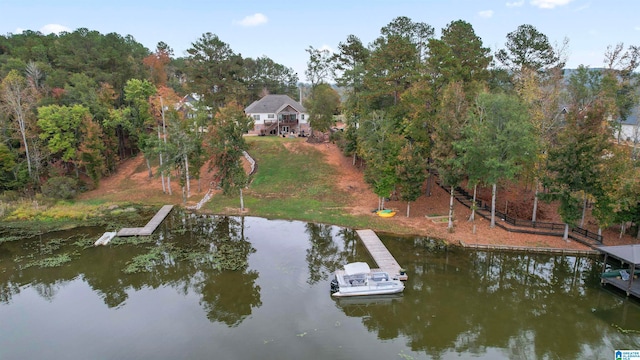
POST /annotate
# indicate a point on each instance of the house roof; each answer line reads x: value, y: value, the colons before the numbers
x: 633, y: 117
x: 627, y: 253
x: 271, y: 104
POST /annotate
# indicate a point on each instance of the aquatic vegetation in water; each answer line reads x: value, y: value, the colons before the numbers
x: 84, y: 242
x: 10, y: 238
x: 145, y: 262
x: 50, y: 246
x: 133, y: 240
x: 227, y: 255
x: 49, y: 262
x: 625, y: 331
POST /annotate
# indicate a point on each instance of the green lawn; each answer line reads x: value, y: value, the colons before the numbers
x: 295, y: 183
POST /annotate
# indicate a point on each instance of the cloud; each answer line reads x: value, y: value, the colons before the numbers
x: 54, y: 28
x: 515, y: 3
x: 549, y: 4
x: 47, y: 29
x: 486, y: 13
x: 253, y: 20
x: 326, y: 47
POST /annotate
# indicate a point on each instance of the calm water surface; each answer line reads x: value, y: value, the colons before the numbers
x: 457, y: 304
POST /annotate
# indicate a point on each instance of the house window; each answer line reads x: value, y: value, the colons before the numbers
x: 271, y: 116
x: 302, y: 116
x: 256, y: 117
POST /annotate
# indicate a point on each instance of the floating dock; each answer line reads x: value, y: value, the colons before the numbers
x: 105, y: 238
x: 380, y: 253
x: 151, y: 225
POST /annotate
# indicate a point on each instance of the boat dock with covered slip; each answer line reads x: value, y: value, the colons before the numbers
x: 628, y: 255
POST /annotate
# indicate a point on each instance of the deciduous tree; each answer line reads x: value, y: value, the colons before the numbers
x: 322, y: 105
x: 226, y: 146
x: 16, y: 102
x: 505, y: 136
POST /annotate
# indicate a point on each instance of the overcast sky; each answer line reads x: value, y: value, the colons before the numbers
x: 283, y: 29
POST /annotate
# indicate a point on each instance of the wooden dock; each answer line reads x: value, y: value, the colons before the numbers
x: 380, y: 253
x: 151, y: 225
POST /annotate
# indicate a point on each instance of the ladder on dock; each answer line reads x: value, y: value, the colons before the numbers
x: 380, y: 254
x: 151, y: 225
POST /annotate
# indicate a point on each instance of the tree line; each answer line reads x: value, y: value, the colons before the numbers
x: 73, y: 105
x: 417, y: 104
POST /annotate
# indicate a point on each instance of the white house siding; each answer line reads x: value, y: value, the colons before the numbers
x: 265, y: 122
x: 275, y: 105
x: 629, y: 133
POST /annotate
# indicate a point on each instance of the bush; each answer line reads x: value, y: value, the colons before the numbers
x: 60, y: 187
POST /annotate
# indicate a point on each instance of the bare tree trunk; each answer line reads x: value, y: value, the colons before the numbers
x: 450, y: 224
x: 584, y: 210
x: 381, y: 203
x: 164, y: 190
x: 14, y: 96
x: 164, y: 133
x: 493, y: 205
x: 186, y: 174
x: 565, y: 236
x: 638, y: 236
x: 146, y: 159
x: 408, y: 207
x: 24, y: 141
x: 354, y: 159
x: 535, y: 204
x: 472, y: 217
x: 241, y: 201
x: 429, y: 182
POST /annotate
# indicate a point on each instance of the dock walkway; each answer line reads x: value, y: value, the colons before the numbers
x: 151, y: 225
x: 380, y: 253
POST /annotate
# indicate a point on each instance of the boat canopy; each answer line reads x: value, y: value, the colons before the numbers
x: 626, y: 253
x: 356, y: 268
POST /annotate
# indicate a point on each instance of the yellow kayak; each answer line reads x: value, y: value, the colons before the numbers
x: 386, y: 213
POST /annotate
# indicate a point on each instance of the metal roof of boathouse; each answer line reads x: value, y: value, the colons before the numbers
x: 630, y: 254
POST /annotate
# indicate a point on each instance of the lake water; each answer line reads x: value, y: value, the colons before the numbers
x: 173, y: 298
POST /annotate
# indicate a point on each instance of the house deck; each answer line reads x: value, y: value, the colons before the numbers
x: 380, y: 254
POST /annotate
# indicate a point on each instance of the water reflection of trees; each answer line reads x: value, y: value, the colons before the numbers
x: 469, y: 301
x: 325, y: 255
x: 203, y: 254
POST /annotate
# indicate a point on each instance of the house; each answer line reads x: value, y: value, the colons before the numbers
x: 278, y: 115
x: 630, y: 128
x: 186, y: 106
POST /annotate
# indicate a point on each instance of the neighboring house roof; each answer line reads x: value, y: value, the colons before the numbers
x: 272, y: 104
x: 633, y: 118
x: 187, y: 101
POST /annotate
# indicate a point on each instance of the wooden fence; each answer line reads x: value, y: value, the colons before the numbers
x: 579, y: 234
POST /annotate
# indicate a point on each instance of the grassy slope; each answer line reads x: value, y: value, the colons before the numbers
x: 295, y: 183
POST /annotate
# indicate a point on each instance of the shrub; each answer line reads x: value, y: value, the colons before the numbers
x: 60, y: 187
